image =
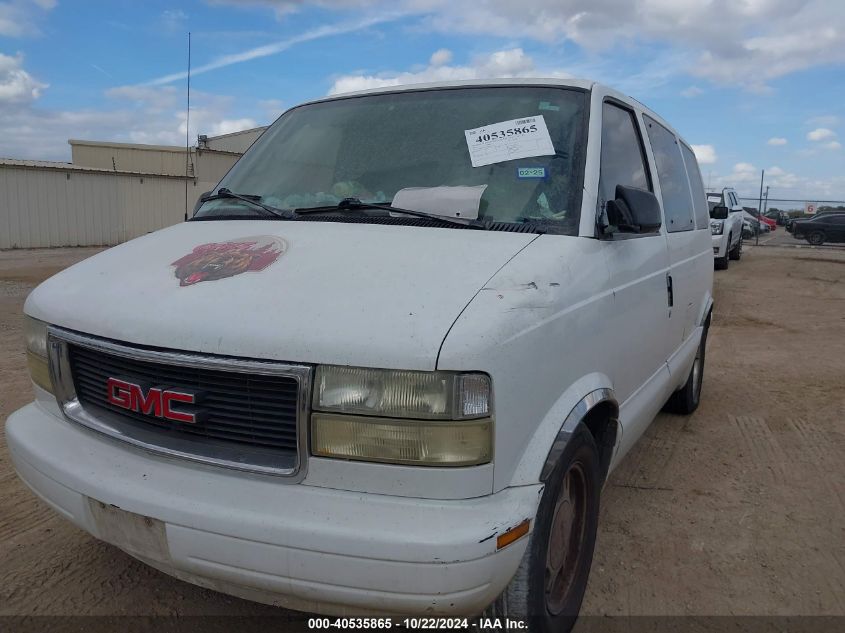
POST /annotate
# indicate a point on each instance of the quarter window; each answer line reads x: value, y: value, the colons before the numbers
x: 622, y: 156
x: 699, y: 199
x: 674, y: 186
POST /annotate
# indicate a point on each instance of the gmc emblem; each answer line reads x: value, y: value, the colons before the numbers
x: 156, y: 401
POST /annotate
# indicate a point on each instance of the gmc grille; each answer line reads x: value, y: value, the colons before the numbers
x: 238, y: 409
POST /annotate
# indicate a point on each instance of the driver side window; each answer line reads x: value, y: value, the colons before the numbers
x: 623, y: 159
x: 622, y: 155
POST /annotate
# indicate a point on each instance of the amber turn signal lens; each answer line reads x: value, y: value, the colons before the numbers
x: 514, y: 534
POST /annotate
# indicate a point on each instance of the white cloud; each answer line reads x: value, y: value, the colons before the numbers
x: 706, y: 154
x: 173, y: 19
x: 692, y: 91
x: 833, y: 145
x: 744, y: 172
x: 777, y: 140
x: 17, y: 85
x: 137, y: 114
x: 227, y: 126
x: 283, y: 8
x: 513, y: 62
x: 441, y: 57
x: 745, y: 42
x: 155, y: 99
x: 820, y: 134
x: 825, y: 120
x: 18, y: 18
x: 272, y: 108
x: 745, y: 177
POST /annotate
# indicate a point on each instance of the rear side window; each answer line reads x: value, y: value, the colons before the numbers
x: 622, y: 157
x: 674, y: 186
x: 699, y: 200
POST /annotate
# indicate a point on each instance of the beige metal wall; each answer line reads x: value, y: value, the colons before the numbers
x: 237, y: 142
x: 148, y: 159
x: 207, y: 165
x: 43, y: 206
x: 211, y: 166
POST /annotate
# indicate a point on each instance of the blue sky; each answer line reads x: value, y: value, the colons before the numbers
x: 751, y: 83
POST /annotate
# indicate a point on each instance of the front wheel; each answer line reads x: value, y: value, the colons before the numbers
x: 549, y: 585
x: 816, y: 238
x: 736, y: 251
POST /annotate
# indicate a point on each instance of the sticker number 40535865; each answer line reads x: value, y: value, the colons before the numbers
x: 509, y: 140
x: 511, y: 131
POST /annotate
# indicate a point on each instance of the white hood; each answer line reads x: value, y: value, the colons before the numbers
x: 313, y: 292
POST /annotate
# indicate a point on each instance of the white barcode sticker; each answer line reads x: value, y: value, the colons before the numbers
x: 509, y: 140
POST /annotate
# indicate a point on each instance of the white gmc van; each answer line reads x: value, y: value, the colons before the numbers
x: 388, y: 365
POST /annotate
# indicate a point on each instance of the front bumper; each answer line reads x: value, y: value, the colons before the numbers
x: 720, y: 245
x: 254, y: 536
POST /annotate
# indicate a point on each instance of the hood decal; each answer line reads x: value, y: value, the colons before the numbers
x: 218, y: 260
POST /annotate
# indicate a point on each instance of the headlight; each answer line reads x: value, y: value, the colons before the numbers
x: 414, y: 442
x: 430, y: 395
x: 35, y: 332
x: 427, y: 418
x: 717, y: 226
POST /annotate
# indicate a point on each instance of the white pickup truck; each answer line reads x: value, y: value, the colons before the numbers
x: 726, y: 218
x: 388, y: 365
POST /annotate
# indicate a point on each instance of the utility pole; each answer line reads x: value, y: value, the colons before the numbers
x: 766, y: 200
x: 760, y: 206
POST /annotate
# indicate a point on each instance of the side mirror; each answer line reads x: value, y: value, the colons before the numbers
x: 719, y: 213
x: 634, y: 210
x: 203, y: 197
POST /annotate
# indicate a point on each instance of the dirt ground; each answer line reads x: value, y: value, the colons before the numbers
x: 736, y: 510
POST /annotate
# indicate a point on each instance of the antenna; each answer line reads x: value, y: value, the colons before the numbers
x: 188, y: 129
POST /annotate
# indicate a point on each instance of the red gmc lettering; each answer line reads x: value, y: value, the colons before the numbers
x: 179, y: 416
x: 119, y: 394
x: 155, y: 401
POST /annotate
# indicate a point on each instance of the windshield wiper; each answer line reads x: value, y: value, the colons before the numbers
x: 354, y: 204
x: 253, y: 200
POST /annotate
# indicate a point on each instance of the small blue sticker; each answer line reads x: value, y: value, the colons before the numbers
x: 545, y: 105
x: 538, y: 173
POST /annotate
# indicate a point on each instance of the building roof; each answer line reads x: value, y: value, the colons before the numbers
x: 140, y: 146
x: 60, y: 166
x: 260, y: 128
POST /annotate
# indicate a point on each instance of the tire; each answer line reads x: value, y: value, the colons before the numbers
x: 570, y: 504
x: 816, y: 238
x: 736, y: 252
x: 686, y: 399
x: 721, y: 263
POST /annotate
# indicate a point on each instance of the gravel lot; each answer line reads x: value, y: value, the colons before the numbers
x: 736, y: 510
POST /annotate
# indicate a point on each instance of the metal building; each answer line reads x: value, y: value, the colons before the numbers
x: 111, y: 192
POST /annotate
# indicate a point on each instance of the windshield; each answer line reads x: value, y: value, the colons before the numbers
x: 373, y: 147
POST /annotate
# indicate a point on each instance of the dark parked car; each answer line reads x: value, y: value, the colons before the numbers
x: 825, y: 227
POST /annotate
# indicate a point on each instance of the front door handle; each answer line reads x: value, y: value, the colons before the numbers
x: 669, y: 290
